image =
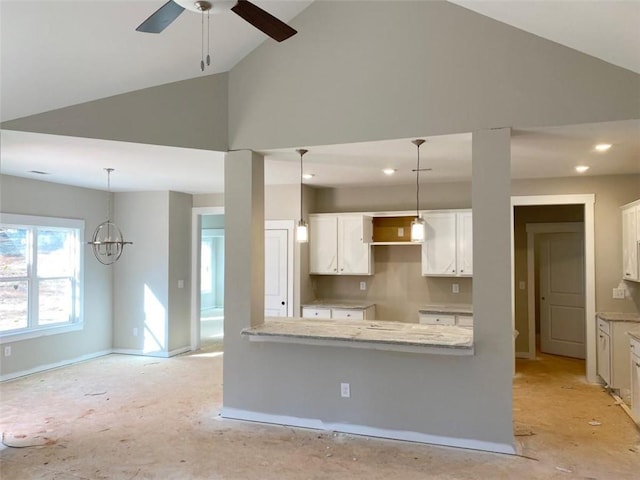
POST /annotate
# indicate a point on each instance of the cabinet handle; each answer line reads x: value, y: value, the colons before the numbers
x: 601, y: 336
x: 637, y: 364
x: 461, y: 271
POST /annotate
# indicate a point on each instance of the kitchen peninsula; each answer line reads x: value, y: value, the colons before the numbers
x: 376, y: 335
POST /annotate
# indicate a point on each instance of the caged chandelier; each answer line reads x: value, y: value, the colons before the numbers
x: 107, y: 241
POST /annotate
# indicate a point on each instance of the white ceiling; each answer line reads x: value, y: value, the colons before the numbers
x: 59, y: 53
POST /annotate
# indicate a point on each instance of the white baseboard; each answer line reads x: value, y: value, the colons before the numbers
x: 523, y: 355
x: 237, y: 414
x: 50, y: 366
x: 142, y: 353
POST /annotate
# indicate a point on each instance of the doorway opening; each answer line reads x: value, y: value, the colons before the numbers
x: 207, y: 277
x: 211, y: 281
x: 574, y: 307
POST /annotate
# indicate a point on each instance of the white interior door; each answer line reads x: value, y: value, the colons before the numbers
x: 562, y: 299
x: 276, y: 285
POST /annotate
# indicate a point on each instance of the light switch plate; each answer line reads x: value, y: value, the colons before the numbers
x: 363, y: 285
x: 455, y: 288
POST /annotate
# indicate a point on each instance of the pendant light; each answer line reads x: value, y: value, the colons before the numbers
x: 417, y: 226
x: 302, y: 230
x: 107, y: 242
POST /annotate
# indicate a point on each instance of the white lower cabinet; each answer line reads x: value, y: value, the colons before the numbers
x: 336, y: 313
x: 613, y: 354
x: 635, y: 378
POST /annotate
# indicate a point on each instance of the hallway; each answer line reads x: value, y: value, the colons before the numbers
x: 127, y: 417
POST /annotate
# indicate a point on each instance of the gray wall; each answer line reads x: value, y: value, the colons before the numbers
x: 428, y: 68
x: 140, y: 297
x: 402, y: 262
x: 31, y: 197
x: 179, y: 270
x: 189, y: 113
x: 146, y: 293
x: 360, y: 71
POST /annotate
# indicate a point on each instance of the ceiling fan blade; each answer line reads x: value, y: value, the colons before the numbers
x: 264, y: 21
x: 161, y: 18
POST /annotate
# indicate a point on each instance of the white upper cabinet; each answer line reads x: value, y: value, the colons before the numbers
x: 340, y: 244
x: 448, y: 248
x: 631, y: 241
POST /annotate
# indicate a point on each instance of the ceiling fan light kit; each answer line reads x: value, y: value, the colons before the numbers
x: 259, y: 18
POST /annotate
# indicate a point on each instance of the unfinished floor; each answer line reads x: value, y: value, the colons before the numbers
x: 127, y: 417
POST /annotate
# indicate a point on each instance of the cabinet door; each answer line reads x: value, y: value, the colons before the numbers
x: 354, y: 256
x: 635, y: 381
x: 439, y: 248
x: 323, y: 246
x: 630, y: 243
x: 465, y: 243
x: 604, y: 357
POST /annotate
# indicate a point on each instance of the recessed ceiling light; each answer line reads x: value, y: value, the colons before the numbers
x: 582, y: 168
x: 603, y: 147
x: 389, y: 171
x: 308, y: 176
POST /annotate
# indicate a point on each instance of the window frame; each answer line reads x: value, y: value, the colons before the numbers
x: 34, y: 222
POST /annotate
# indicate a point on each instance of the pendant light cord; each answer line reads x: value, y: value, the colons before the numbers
x: 418, y: 184
x: 301, y: 154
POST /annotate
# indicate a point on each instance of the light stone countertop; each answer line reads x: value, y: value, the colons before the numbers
x: 381, y: 335
x: 461, y: 309
x: 346, y: 304
x: 619, y: 317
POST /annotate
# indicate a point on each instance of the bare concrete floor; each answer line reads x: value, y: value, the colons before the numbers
x: 126, y: 417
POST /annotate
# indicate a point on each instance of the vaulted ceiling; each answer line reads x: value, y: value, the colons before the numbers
x: 61, y: 53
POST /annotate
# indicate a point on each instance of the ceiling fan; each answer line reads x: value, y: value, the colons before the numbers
x: 259, y: 18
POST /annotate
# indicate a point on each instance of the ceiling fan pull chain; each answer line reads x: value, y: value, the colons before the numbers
x: 208, y: 39
x: 202, y: 41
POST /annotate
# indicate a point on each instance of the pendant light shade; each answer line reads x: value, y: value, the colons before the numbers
x: 302, y: 230
x: 107, y: 241
x: 418, y: 226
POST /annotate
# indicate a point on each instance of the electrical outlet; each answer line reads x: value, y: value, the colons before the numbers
x: 400, y: 232
x: 523, y: 285
x: 363, y: 285
x: 618, y: 293
x: 345, y: 390
x: 7, y: 351
x: 455, y: 288
x: 135, y: 331
x: 180, y: 283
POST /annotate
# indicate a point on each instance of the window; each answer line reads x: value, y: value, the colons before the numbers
x: 40, y: 276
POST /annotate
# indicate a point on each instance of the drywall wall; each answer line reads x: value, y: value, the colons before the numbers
x: 450, y: 400
x: 398, y: 288
x: 179, y: 274
x: 189, y: 113
x: 362, y: 71
x: 140, y: 296
x: 31, y: 197
x: 611, y: 192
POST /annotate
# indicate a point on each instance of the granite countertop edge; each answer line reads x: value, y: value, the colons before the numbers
x: 635, y: 334
x: 462, y: 309
x: 346, y: 304
x: 619, y: 317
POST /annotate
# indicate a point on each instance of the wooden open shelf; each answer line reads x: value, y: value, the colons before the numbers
x: 392, y: 230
